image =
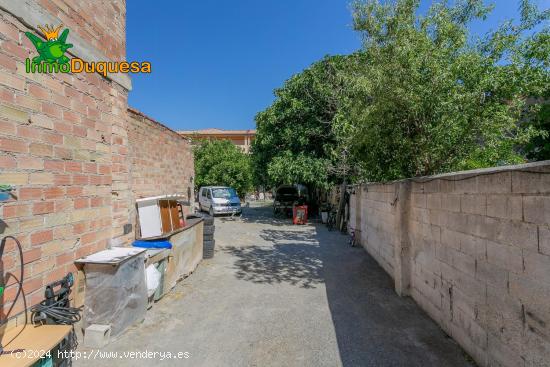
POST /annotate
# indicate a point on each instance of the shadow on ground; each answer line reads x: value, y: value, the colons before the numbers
x: 373, y: 326
x: 259, y: 215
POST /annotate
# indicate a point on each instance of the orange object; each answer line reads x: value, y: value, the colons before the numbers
x: 299, y: 214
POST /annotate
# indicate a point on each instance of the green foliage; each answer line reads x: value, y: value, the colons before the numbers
x: 296, y: 140
x: 439, y: 102
x: 219, y: 162
x: 421, y: 97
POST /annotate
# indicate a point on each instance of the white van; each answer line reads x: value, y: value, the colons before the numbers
x: 219, y: 200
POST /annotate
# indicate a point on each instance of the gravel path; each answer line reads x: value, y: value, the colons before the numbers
x: 281, y: 295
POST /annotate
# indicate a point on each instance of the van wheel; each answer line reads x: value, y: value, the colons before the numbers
x: 211, y: 211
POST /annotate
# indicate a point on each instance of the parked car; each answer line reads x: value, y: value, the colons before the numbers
x: 286, y: 196
x: 219, y: 200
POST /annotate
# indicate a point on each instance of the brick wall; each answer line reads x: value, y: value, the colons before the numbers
x: 63, y: 145
x: 473, y: 250
x: 102, y: 24
x: 161, y: 160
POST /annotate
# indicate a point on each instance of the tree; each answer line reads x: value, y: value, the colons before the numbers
x: 439, y: 101
x: 296, y: 138
x: 219, y: 162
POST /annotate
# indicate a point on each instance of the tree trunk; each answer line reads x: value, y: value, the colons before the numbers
x: 341, y: 205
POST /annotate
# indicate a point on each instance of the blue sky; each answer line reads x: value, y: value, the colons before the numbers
x: 215, y: 63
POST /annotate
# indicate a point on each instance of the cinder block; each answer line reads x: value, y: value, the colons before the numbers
x: 495, y: 183
x: 536, y: 209
x: 97, y: 336
x: 505, y: 206
x: 450, y: 202
x: 492, y: 275
x: 473, y: 204
x: 520, y: 234
x: 505, y: 256
x: 537, y: 266
x: 500, y: 354
x: 530, y: 183
x: 544, y: 240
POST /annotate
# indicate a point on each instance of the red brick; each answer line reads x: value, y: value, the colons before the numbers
x: 61, y: 100
x: 38, y: 238
x: 7, y: 161
x: 71, y: 116
x: 62, y: 232
x: 54, y: 85
x: 30, y: 163
x: 64, y: 259
x: 9, y: 30
x: 27, y: 102
x: 12, y: 81
x: 80, y: 179
x: 32, y: 255
x: 80, y: 131
x: 42, y: 208
x: 14, y: 49
x: 73, y: 166
x: 8, y: 128
x: 62, y: 153
x: 11, y: 246
x: 73, y: 93
x: 7, y: 62
x: 88, y: 238
x: 29, y: 133
x: 39, y: 92
x: 7, y: 95
x: 62, y: 180
x: 104, y: 169
x: 30, y: 285
x: 96, y: 202
x: 52, y: 138
x: 56, y: 274
x: 90, y: 168
x: 55, y: 166
x: 52, y: 110
x: 53, y: 193
x: 30, y: 193
x: 43, y: 150
x: 84, y: 251
x: 35, y: 298
x: 16, y: 210
x: 80, y: 228
x: 79, y: 107
x: 74, y: 191
x: 63, y: 205
x: 81, y: 203
x: 10, y: 145
x: 63, y: 127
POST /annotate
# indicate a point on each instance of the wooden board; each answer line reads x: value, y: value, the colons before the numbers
x: 34, y: 340
x: 175, y: 215
x: 165, y: 216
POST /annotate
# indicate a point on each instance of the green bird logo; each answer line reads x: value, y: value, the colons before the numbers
x: 54, y: 48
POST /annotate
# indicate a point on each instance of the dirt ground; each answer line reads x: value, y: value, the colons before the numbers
x: 282, y: 295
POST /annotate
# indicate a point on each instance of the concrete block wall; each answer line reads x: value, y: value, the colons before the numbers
x: 476, y: 255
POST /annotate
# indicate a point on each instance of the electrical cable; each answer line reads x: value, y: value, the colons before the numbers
x: 19, y: 281
x: 58, y: 312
